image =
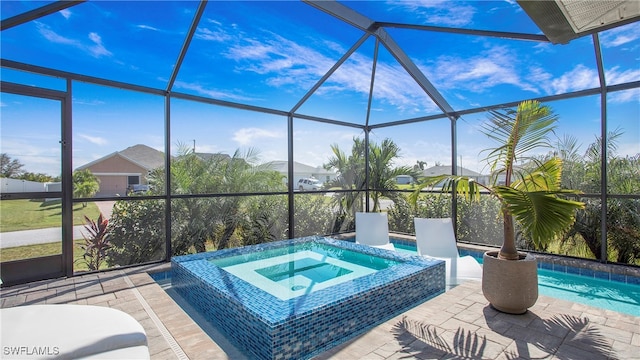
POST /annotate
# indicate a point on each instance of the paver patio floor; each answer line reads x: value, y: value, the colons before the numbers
x: 457, y: 324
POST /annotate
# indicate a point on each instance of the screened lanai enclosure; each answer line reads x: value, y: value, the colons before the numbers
x: 133, y: 131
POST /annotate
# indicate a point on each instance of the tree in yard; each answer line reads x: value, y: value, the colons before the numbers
x: 137, y: 232
x: 623, y: 214
x: 203, y: 215
x: 38, y: 177
x: 383, y: 173
x: 573, y: 169
x: 265, y: 219
x: 420, y: 165
x: 10, y: 168
x: 313, y: 216
x: 352, y: 175
x: 85, y: 184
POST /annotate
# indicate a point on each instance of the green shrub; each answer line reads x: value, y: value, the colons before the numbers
x: 137, y: 232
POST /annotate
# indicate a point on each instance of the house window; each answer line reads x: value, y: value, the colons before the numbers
x: 133, y: 180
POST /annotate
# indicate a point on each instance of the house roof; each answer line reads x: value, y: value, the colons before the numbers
x: 446, y: 170
x: 141, y: 155
x: 214, y: 156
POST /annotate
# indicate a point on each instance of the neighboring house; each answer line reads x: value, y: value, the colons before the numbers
x: 118, y: 172
x: 517, y: 168
x: 212, y: 157
x: 301, y: 171
x: 446, y: 170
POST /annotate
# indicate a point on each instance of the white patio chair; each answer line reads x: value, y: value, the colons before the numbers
x: 435, y: 238
x: 373, y: 229
x: 73, y: 331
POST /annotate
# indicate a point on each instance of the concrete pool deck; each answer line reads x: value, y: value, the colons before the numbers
x: 458, y: 323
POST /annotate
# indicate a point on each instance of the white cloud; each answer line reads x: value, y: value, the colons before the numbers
x: 542, y: 47
x: 492, y: 67
x: 256, y: 50
x: 95, y: 48
x: 628, y: 149
x: 217, y: 33
x: 216, y: 94
x: 36, y: 152
x: 212, y: 35
x: 394, y: 85
x: 94, y: 139
x: 147, y: 27
x: 625, y: 96
x: 437, y: 12
x: 579, y: 78
x: 496, y: 66
x: 54, y: 37
x: 288, y: 63
x: 249, y: 136
x: 66, y: 13
x: 620, y: 35
x: 538, y: 75
x: 615, y: 76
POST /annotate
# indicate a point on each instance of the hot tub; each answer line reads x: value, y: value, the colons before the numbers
x: 297, y: 298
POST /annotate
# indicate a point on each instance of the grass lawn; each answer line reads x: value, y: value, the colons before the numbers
x: 38, y: 250
x: 27, y: 214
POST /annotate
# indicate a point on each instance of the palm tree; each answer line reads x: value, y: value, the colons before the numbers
x: 573, y: 164
x: 352, y: 175
x: 85, y: 184
x: 382, y: 173
x: 199, y: 219
x: 239, y: 174
x: 529, y: 197
x: 623, y: 219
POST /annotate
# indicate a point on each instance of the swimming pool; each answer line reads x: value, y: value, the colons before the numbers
x: 593, y: 291
x: 293, y: 322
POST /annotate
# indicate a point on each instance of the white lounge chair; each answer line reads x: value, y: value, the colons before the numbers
x: 373, y: 229
x: 72, y: 332
x: 435, y: 238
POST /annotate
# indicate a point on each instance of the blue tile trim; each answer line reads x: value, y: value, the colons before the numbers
x: 270, y: 328
x: 633, y: 280
x: 572, y: 270
x: 587, y: 272
x: 545, y: 266
x: 602, y: 275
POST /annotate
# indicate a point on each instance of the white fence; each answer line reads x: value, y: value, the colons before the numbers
x: 16, y: 185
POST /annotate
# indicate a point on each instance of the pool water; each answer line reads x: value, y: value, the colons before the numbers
x: 611, y: 295
x: 600, y: 293
x: 289, y: 272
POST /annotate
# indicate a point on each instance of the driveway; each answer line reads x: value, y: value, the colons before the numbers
x: 105, y: 207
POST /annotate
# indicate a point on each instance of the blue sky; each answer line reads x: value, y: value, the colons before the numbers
x: 270, y: 54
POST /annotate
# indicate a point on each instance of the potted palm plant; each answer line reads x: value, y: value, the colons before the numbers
x: 529, y: 197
